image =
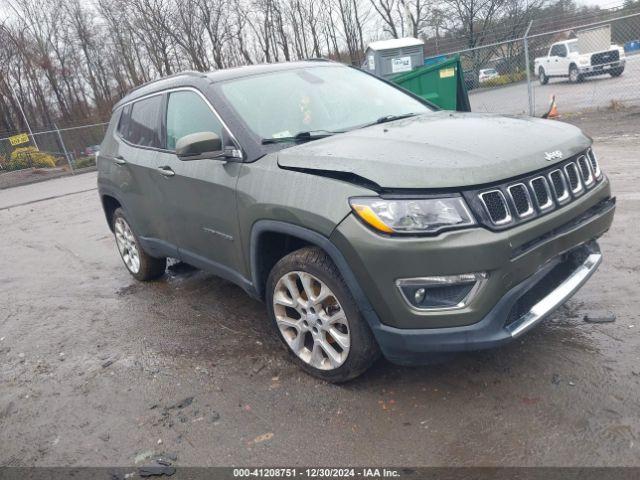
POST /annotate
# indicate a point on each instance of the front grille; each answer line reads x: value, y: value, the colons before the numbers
x: 496, y: 206
x: 517, y: 201
x: 602, y: 58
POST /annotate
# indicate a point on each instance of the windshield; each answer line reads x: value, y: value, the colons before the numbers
x: 490, y: 71
x: 324, y: 99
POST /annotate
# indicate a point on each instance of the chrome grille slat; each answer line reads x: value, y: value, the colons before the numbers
x: 542, y: 193
x: 595, y: 165
x: 573, y: 176
x: 585, y: 171
x: 496, y: 206
x: 521, y: 199
x: 560, y: 187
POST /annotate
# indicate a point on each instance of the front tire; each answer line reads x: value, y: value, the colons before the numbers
x: 542, y: 76
x: 616, y: 72
x: 574, y: 74
x: 316, y: 317
x: 140, y: 264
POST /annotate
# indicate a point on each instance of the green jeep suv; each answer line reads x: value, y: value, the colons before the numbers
x: 367, y: 220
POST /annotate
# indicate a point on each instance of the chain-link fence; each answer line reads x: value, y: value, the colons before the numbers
x: 54, y: 149
x: 587, y: 66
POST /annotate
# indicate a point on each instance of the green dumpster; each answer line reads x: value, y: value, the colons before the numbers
x: 441, y: 83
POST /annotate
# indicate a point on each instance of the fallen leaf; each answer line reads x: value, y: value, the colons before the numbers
x: 263, y: 438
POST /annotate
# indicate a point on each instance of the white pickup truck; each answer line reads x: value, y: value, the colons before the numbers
x: 565, y: 60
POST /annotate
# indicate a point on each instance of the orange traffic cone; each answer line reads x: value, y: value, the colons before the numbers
x: 553, y: 109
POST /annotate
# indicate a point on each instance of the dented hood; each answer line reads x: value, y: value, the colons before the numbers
x: 439, y: 150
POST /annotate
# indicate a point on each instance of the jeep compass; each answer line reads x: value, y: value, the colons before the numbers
x: 369, y: 221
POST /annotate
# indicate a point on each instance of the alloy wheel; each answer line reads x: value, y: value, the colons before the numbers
x: 127, y: 245
x: 573, y: 75
x: 311, y: 320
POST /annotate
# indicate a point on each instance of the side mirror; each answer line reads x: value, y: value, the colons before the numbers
x: 197, y: 146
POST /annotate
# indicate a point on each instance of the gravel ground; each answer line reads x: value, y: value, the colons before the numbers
x: 96, y: 369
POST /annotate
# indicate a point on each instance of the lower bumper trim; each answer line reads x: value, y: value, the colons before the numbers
x: 557, y: 297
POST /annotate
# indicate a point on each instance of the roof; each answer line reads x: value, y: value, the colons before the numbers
x: 249, y: 70
x: 395, y: 43
x: 190, y: 77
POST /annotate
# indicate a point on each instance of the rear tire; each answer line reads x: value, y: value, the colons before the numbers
x: 542, y: 76
x: 140, y: 264
x: 616, y: 72
x: 317, y: 319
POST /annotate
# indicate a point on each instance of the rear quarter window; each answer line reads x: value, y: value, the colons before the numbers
x: 123, y: 122
x: 141, y: 126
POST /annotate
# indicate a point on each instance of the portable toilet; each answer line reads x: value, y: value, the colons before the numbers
x: 386, y: 58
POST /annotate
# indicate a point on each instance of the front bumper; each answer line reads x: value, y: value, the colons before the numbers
x: 598, y: 69
x: 514, y: 259
x: 523, y: 307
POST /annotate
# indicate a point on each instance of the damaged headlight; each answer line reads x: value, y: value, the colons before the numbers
x: 419, y: 215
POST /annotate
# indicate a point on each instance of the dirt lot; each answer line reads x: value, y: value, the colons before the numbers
x: 96, y: 369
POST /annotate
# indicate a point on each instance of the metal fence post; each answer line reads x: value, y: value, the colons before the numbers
x: 24, y: 117
x: 526, y: 60
x: 64, y: 149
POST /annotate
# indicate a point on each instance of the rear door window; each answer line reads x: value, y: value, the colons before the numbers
x: 188, y: 113
x: 144, y: 122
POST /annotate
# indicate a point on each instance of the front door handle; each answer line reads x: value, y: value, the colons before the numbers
x: 119, y: 160
x: 166, y: 171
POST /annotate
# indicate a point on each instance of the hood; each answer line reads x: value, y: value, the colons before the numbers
x: 439, y: 150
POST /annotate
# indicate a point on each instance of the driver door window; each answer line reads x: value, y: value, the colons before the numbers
x: 559, y: 51
x: 188, y: 113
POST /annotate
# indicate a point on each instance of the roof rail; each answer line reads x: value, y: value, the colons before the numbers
x: 190, y: 73
x: 318, y: 59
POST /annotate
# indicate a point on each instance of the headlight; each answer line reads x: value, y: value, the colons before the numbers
x: 423, y: 215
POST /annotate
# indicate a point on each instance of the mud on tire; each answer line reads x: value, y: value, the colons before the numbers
x: 150, y: 267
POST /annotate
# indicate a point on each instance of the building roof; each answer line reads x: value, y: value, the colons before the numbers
x: 395, y: 43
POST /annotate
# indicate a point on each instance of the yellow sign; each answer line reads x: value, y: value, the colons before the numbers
x: 447, y: 72
x: 19, y: 139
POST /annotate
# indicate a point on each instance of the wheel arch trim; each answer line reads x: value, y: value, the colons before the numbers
x: 104, y: 194
x: 319, y: 240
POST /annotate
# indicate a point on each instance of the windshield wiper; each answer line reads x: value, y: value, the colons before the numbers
x: 390, y: 118
x: 301, y: 136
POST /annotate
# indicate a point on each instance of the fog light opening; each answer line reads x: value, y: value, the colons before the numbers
x: 441, y: 292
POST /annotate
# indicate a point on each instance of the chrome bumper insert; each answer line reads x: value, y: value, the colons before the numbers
x: 557, y: 297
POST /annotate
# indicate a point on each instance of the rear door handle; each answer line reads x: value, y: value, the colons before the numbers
x: 166, y: 171
x: 119, y: 160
